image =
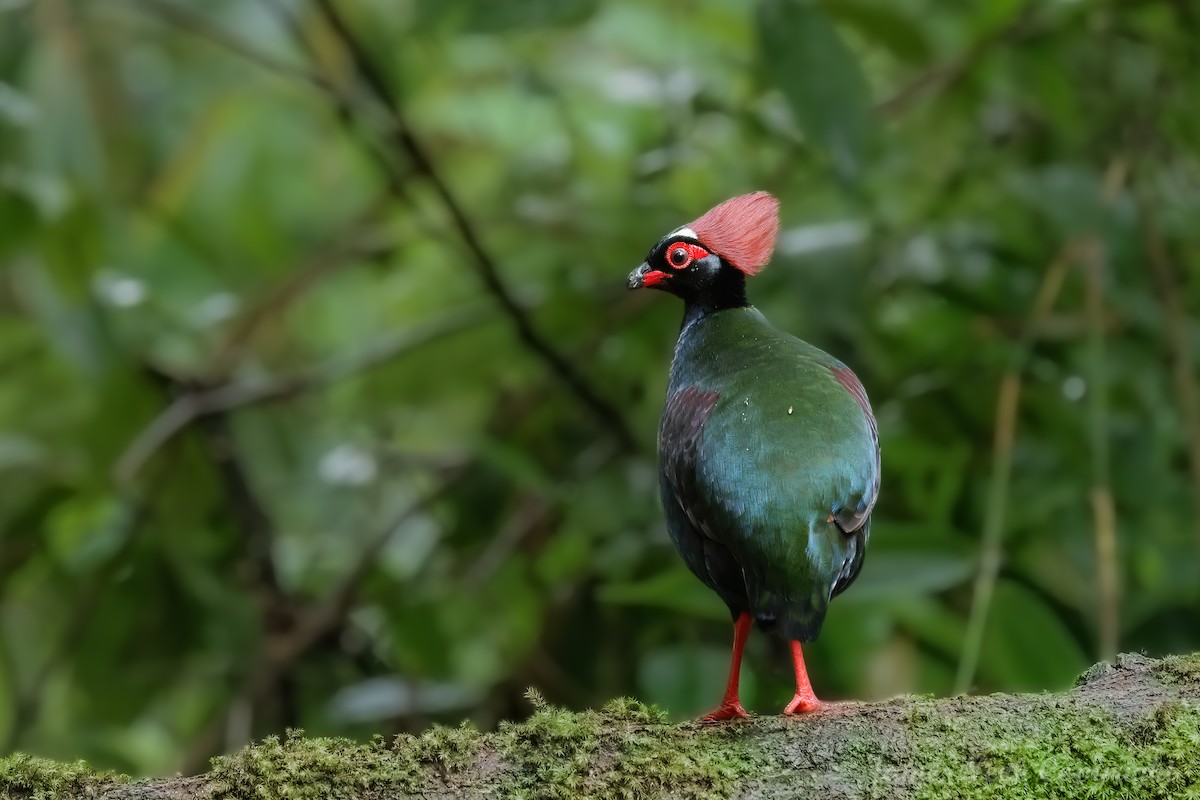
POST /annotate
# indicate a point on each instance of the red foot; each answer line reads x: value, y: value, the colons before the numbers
x: 732, y: 710
x: 731, y: 707
x: 802, y: 704
x: 805, y: 701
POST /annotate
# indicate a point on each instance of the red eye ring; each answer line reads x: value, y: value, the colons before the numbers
x: 681, y: 254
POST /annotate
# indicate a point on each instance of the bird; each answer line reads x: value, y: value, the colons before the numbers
x: 768, y: 450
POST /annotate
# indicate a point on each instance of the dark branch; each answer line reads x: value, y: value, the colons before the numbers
x: 1127, y: 730
x: 251, y: 518
x: 221, y: 399
x: 945, y: 74
x: 485, y: 264
x: 27, y: 700
x: 349, y: 112
x: 180, y: 17
x: 313, y: 625
x: 357, y: 244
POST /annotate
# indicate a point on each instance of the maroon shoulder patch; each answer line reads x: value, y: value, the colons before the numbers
x: 851, y: 519
x: 846, y: 377
x: 679, y: 438
x: 683, y: 419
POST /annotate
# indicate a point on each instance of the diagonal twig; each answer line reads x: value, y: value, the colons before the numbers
x: 1008, y: 403
x: 221, y: 399
x: 349, y: 108
x: 311, y: 627
x: 27, y: 701
x: 358, y: 244
x: 1178, y: 341
x: 1104, y: 512
x: 942, y: 75
x: 178, y: 16
x: 369, y: 73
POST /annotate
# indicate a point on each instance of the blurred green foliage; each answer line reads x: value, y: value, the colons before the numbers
x: 324, y: 404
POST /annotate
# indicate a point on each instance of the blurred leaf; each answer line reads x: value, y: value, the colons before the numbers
x: 806, y: 59
x: 885, y: 23
x: 378, y: 699
x: 15, y: 107
x: 486, y: 16
x: 673, y: 589
x: 989, y: 16
x: 514, y: 464
x: 1027, y: 646
x: 687, y: 680
x: 568, y: 554
x: 86, y: 529
x: 932, y: 624
x: 21, y: 452
x: 888, y: 575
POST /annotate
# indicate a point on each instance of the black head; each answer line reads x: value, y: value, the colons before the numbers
x: 682, y: 265
x: 706, y: 261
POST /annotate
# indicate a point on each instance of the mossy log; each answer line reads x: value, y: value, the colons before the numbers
x: 1127, y: 730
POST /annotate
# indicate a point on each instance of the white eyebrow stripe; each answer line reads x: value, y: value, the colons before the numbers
x: 685, y: 231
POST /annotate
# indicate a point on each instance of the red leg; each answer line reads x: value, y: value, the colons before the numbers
x: 805, y: 700
x: 731, y: 707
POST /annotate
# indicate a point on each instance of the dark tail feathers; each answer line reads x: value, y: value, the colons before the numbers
x: 791, y: 618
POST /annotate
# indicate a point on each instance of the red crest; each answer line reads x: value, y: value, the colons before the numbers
x: 741, y: 230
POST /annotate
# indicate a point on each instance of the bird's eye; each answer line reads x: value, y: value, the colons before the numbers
x: 682, y: 254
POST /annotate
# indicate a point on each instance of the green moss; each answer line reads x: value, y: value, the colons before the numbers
x: 1095, y: 672
x: 625, y: 750
x: 980, y: 748
x: 1123, y: 661
x: 23, y: 776
x: 626, y: 709
x: 1058, y: 750
x: 451, y: 749
x: 299, y: 768
x: 1178, y: 669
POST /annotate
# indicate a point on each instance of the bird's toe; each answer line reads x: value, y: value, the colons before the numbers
x: 802, y: 704
x: 726, y: 711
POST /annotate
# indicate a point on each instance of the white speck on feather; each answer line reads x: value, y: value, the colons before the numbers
x: 789, y: 410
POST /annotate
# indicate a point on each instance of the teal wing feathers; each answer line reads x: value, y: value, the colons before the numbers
x: 783, y: 471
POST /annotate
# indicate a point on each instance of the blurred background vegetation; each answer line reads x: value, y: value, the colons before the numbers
x: 324, y: 404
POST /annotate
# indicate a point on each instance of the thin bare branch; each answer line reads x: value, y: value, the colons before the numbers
x: 285, y: 648
x: 181, y: 17
x: 27, y: 700
x: 222, y: 399
x: 1178, y: 344
x: 1078, y: 250
x: 349, y: 110
x: 1104, y: 510
x: 250, y: 517
x: 1008, y: 403
x: 1104, y: 513
x: 358, y: 243
x: 943, y: 75
x: 486, y: 266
